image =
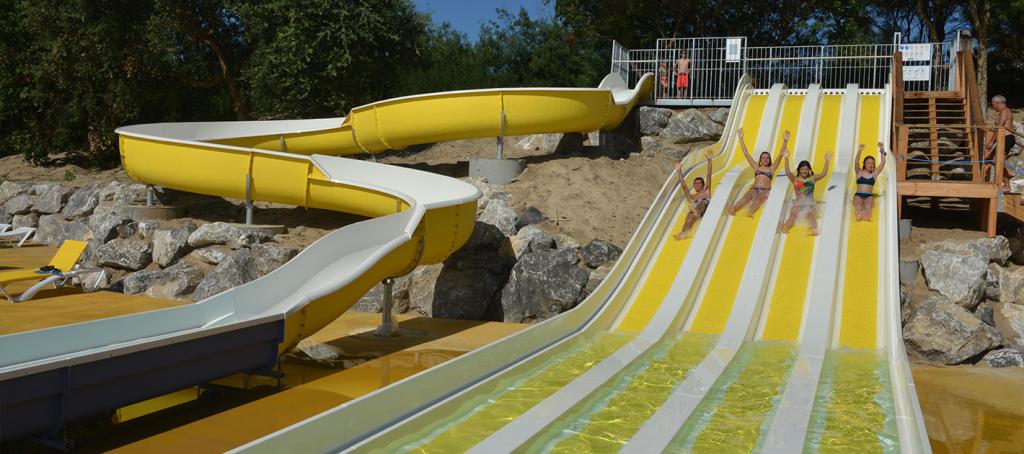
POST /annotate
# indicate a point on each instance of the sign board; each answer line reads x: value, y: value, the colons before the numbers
x: 916, y: 52
x: 733, y: 49
x: 917, y: 73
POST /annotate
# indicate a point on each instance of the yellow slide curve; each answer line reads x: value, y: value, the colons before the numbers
x: 284, y: 162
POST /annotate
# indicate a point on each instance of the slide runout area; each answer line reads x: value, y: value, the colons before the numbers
x: 417, y: 218
x: 466, y: 430
x: 610, y: 417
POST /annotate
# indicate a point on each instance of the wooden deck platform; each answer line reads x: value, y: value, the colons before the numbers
x: 57, y: 307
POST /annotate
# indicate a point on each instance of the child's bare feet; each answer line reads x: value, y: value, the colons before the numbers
x: 814, y: 231
x: 679, y: 235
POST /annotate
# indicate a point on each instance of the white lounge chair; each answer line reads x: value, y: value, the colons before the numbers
x: 4, y: 227
x: 20, y: 234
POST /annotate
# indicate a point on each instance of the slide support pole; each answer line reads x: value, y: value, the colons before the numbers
x: 501, y: 138
x: 248, y: 198
x: 387, y: 322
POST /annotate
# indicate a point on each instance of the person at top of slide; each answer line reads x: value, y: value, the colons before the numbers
x: 764, y: 170
x: 699, y: 199
x: 803, y: 187
x: 1004, y: 119
x: 682, y: 75
x: 867, y: 172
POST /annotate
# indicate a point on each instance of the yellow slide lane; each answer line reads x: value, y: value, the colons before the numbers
x: 716, y: 305
x: 673, y: 252
x: 859, y: 323
x: 786, y: 306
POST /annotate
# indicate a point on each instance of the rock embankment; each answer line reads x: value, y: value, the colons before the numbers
x: 973, y: 311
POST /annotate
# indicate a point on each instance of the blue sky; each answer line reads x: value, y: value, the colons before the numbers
x: 466, y: 16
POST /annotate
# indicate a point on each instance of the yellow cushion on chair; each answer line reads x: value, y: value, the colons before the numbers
x: 68, y: 254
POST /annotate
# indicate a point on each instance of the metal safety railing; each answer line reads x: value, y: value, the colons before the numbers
x: 704, y: 71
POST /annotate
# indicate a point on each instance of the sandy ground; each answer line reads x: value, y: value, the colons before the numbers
x: 586, y: 195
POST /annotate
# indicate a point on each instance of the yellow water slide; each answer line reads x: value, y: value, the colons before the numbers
x: 287, y: 162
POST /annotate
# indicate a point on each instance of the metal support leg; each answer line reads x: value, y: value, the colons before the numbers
x: 248, y: 198
x: 387, y: 322
x: 501, y: 138
x: 149, y: 196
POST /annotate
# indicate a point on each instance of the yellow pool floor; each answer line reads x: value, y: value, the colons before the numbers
x: 232, y: 416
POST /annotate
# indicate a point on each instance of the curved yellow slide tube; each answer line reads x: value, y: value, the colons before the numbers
x: 280, y: 162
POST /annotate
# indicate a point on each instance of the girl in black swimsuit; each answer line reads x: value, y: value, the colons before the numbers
x: 864, y: 198
x: 699, y: 199
x: 764, y: 170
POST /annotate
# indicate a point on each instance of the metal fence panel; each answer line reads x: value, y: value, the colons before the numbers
x: 705, y: 71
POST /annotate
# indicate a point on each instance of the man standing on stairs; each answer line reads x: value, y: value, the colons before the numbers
x: 1004, y: 118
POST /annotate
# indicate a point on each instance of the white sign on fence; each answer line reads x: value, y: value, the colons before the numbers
x: 916, y: 52
x: 917, y: 73
x: 733, y: 49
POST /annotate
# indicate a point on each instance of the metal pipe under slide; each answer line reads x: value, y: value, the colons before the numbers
x: 387, y: 326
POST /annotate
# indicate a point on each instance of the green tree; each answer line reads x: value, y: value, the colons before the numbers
x: 321, y: 58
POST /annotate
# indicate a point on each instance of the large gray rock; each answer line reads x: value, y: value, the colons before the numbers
x: 49, y: 198
x: 985, y: 312
x: 82, y: 202
x: 50, y: 227
x: 599, y: 252
x: 211, y: 255
x: 691, y: 125
x: 225, y: 233
x: 1009, y: 320
x: 552, y: 143
x: 543, y: 284
x: 373, y: 300
x: 653, y: 120
x: 74, y: 230
x: 25, y: 220
x: 1004, y: 357
x: 597, y: 276
x: 139, y: 281
x: 125, y: 253
x: 992, y: 278
x: 945, y: 332
x: 443, y: 291
x: 177, y: 281
x: 117, y: 193
x: 719, y: 115
x: 996, y: 249
x: 1011, y: 286
x: 268, y: 258
x: 236, y: 269
x: 961, y: 278
x: 169, y: 245
x: 109, y: 226
x: 906, y: 308
x: 19, y: 204
x: 499, y: 215
x: 147, y: 228
x: 529, y: 239
x: 529, y: 216
x: 9, y: 189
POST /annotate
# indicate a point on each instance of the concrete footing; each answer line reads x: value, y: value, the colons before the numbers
x: 496, y: 171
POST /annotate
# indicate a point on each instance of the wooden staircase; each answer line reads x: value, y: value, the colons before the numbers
x: 938, y: 141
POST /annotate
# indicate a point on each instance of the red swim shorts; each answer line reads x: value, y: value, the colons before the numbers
x: 682, y: 80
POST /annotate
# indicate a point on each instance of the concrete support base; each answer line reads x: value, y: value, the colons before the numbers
x: 496, y: 171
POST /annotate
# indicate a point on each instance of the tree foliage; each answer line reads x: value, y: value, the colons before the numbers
x: 71, y: 71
